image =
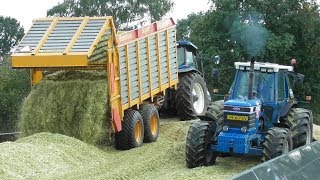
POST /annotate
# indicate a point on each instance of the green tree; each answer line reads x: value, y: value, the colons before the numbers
x: 126, y: 13
x: 291, y: 30
x: 10, y: 33
x: 14, y: 84
x: 14, y: 87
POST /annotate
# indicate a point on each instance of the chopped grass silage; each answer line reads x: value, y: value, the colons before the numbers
x: 46, y: 156
x: 73, y: 103
x: 53, y: 156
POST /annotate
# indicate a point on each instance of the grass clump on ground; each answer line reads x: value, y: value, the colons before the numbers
x: 73, y: 103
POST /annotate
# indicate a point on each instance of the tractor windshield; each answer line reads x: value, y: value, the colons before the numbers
x: 263, y: 85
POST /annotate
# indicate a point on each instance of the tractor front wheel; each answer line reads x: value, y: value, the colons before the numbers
x: 216, y: 110
x: 278, y: 141
x: 198, y: 144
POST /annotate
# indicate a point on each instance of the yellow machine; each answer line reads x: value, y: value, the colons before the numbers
x: 140, y: 65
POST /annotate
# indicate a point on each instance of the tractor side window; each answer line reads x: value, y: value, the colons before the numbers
x: 288, y: 88
x: 281, y: 88
x: 189, y: 59
x: 181, y: 54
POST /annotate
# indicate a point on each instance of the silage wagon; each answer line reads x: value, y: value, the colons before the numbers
x: 140, y: 64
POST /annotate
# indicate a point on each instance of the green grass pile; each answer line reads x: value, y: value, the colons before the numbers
x: 73, y: 103
x: 53, y: 156
x: 47, y: 156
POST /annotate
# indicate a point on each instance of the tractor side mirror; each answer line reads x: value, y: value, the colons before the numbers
x: 215, y: 73
x: 299, y: 78
x: 217, y: 59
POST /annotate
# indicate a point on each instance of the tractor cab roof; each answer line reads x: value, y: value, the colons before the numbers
x: 187, y: 43
x: 261, y: 65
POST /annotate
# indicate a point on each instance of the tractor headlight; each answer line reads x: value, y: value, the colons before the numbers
x: 244, y: 129
x: 225, y: 128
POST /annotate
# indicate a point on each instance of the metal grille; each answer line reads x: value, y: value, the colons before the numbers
x: 60, y: 36
x: 34, y: 35
x: 88, y: 35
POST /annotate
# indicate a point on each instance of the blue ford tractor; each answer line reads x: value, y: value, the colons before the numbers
x: 191, y: 99
x: 259, y: 117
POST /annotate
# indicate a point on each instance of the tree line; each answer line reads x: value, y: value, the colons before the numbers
x: 271, y: 30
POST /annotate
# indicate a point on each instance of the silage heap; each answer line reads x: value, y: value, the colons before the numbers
x: 55, y: 156
x: 47, y: 156
x: 73, y: 103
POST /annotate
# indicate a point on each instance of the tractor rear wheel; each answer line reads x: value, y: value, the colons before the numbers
x: 300, y: 122
x: 278, y: 141
x: 216, y: 110
x: 198, y: 143
x: 191, y: 97
x: 151, y: 122
x: 132, y: 132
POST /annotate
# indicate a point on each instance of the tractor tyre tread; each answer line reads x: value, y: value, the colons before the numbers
x: 216, y: 110
x: 299, y: 121
x: 147, y: 111
x: 183, y: 96
x: 125, y: 139
x: 274, y: 141
x: 197, y: 143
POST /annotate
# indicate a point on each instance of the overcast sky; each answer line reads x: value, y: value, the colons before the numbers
x: 27, y: 10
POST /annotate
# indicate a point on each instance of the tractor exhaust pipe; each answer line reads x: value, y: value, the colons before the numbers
x: 250, y: 90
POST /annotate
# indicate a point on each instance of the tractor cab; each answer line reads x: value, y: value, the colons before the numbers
x: 187, y: 57
x: 271, y: 94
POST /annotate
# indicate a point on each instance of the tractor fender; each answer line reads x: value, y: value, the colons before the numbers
x: 207, y: 117
x: 189, y: 69
x: 286, y: 108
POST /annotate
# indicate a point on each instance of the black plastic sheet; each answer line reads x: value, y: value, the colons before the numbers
x: 301, y: 163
